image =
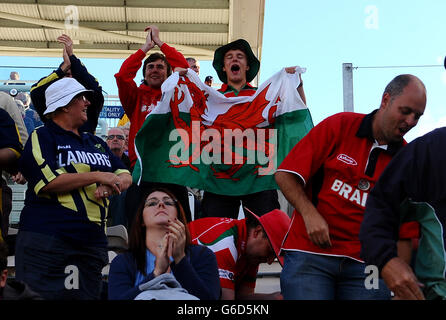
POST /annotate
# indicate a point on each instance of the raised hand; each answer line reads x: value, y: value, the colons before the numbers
x: 156, y: 35
x: 149, y: 41
x: 67, y: 42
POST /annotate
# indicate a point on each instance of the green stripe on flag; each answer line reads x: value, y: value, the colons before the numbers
x: 186, y: 160
x: 154, y: 147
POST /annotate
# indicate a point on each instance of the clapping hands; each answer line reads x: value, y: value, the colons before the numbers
x: 152, y: 38
x: 172, y: 245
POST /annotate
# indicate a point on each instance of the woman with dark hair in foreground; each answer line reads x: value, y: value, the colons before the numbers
x: 159, y: 243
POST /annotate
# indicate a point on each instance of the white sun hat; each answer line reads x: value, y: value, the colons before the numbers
x: 61, y: 92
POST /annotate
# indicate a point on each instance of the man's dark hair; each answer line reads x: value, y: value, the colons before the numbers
x: 397, y: 85
x: 252, y: 223
x: 153, y: 57
x: 3, y: 256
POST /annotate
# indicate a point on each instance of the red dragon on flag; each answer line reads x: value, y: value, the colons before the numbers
x: 199, y: 138
x: 241, y: 116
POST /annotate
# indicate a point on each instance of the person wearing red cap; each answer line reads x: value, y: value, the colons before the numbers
x: 240, y: 246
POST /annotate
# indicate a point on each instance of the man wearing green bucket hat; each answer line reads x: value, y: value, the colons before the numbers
x: 236, y: 66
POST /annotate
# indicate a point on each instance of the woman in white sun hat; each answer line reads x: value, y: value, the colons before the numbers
x: 61, y: 246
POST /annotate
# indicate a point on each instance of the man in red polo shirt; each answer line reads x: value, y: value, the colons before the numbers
x: 236, y: 66
x: 139, y: 101
x: 327, y: 177
x: 240, y: 246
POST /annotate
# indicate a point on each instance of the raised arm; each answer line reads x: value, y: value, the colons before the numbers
x: 127, y: 73
x: 10, y: 146
x: 175, y: 58
x: 38, y: 89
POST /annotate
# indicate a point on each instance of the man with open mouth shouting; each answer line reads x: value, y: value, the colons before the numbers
x: 236, y: 66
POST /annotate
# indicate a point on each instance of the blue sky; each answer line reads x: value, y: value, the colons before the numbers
x: 320, y: 35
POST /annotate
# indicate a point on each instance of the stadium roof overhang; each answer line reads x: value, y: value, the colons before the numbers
x: 115, y: 28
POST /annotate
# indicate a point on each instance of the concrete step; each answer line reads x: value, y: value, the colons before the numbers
x: 268, y: 277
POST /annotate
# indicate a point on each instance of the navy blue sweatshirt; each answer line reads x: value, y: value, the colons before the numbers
x: 412, y: 188
x: 197, y: 272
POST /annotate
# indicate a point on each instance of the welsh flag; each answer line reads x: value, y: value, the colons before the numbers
x: 197, y: 137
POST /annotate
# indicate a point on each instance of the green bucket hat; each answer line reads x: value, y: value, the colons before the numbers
x: 253, y: 62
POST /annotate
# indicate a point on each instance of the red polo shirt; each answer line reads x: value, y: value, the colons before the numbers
x: 339, y: 162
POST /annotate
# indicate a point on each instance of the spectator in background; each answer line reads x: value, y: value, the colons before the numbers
x: 70, y: 176
x: 25, y: 98
x: 70, y: 67
x: 29, y: 124
x: 10, y: 150
x: 8, y: 104
x: 126, y: 128
x: 31, y: 119
x: 12, y: 289
x: 116, y: 142
x: 14, y: 75
x: 21, y: 108
x: 208, y: 80
x: 116, y: 210
x: 160, y: 245
x: 193, y: 64
x: 240, y: 246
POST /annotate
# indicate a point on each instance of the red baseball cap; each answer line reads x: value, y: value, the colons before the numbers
x: 276, y: 224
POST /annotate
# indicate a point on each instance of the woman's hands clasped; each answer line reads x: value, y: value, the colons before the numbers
x: 172, y: 245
